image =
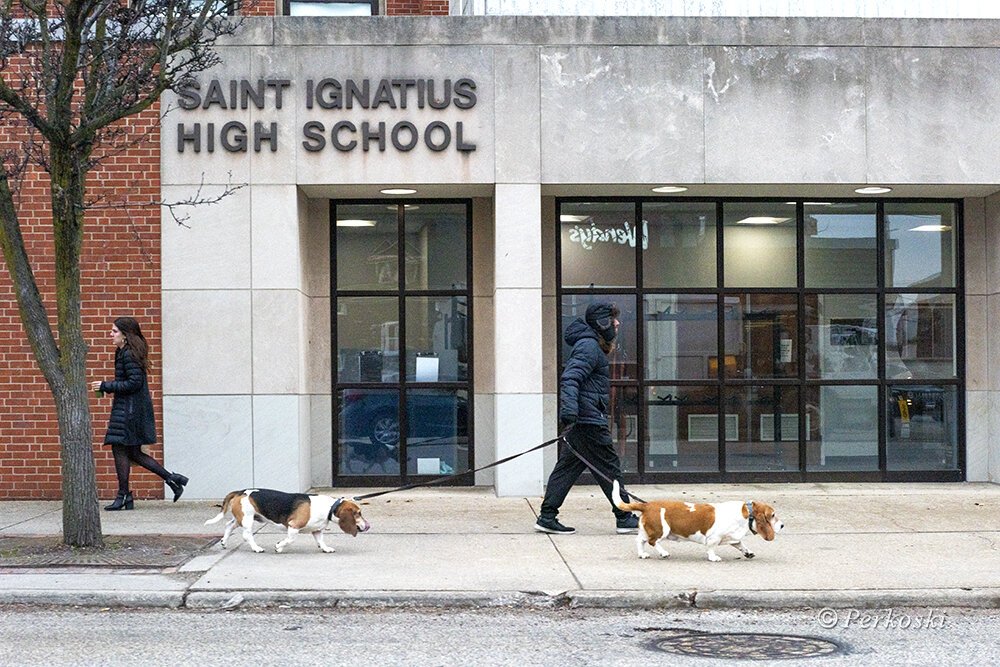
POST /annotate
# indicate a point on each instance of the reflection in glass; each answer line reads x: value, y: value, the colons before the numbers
x: 681, y: 335
x: 623, y: 419
x: 767, y: 428
x: 369, y: 432
x: 683, y: 429
x: 622, y: 357
x: 842, y: 428
x: 760, y: 332
x: 920, y: 336
x: 840, y: 245
x: 841, y: 336
x: 598, y: 244
x: 435, y: 246
x: 681, y: 250
x: 437, y: 432
x: 759, y: 242
x: 367, y: 339
x: 922, y: 428
x: 436, y: 339
x: 919, y: 245
x: 367, y: 244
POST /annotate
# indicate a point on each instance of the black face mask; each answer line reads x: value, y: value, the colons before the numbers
x: 601, y: 318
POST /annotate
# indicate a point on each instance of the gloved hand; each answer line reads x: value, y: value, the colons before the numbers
x: 566, y: 423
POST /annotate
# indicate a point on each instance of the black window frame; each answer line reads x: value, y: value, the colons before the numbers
x: 286, y: 5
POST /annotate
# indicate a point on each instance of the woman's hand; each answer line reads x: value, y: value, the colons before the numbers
x: 95, y: 385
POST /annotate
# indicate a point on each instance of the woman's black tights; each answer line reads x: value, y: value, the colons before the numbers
x: 126, y: 455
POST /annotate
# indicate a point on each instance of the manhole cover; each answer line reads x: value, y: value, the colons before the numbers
x: 741, y: 645
x: 145, y: 551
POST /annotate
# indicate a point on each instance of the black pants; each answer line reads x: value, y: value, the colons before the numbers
x: 593, y: 442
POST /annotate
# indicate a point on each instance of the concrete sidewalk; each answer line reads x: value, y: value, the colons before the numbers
x: 844, y: 545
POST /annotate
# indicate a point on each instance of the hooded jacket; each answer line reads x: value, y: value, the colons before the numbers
x: 586, y: 380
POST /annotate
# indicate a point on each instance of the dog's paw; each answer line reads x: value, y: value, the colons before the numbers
x: 748, y: 555
x: 328, y: 550
x: 714, y: 558
x: 664, y: 555
x: 277, y: 549
x: 644, y: 555
x: 222, y: 543
x: 258, y: 550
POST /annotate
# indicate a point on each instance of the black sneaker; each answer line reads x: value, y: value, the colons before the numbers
x: 626, y: 525
x: 551, y: 525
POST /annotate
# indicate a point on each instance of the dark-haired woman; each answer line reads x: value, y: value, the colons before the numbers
x: 132, y: 423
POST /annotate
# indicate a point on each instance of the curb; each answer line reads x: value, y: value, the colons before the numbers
x: 983, y: 598
x: 84, y: 598
x: 374, y: 599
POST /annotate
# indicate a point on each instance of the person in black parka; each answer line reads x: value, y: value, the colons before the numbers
x: 584, y: 395
x: 132, y: 423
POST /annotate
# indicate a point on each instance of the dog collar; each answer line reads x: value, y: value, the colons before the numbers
x: 749, y: 507
x: 334, y: 508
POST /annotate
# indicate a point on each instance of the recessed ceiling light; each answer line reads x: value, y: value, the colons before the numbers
x: 408, y: 207
x: 668, y: 189
x: 398, y: 191
x: 931, y: 228
x: 762, y: 220
x: 355, y: 223
x: 818, y: 203
x: 873, y: 190
x: 566, y: 217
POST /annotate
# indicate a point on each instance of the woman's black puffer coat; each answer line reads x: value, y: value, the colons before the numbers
x: 586, y: 381
x: 132, y: 421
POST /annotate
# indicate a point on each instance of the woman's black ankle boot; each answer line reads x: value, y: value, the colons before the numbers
x: 176, y: 483
x: 123, y: 501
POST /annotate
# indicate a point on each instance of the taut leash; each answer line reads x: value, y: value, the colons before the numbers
x: 597, y: 472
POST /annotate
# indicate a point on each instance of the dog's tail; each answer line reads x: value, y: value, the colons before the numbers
x: 616, y: 494
x: 225, y: 507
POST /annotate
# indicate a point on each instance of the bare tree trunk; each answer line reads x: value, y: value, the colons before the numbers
x: 81, y: 513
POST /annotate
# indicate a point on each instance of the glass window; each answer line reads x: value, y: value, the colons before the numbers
x: 767, y: 428
x: 841, y: 248
x: 920, y: 336
x: 436, y: 339
x: 598, y: 244
x: 680, y: 251
x: 367, y: 339
x: 435, y: 246
x: 759, y: 242
x: 681, y: 336
x: 842, y: 428
x: 760, y: 332
x: 367, y: 248
x: 369, y: 431
x: 919, y: 245
x: 623, y: 419
x: 331, y: 7
x: 683, y: 429
x: 622, y: 358
x: 841, y: 336
x: 922, y: 428
x: 437, y: 432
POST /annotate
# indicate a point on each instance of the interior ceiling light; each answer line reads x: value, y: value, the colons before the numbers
x: 762, y: 220
x: 398, y: 191
x: 566, y: 217
x: 818, y: 203
x: 669, y: 189
x: 873, y: 190
x: 931, y: 228
x: 408, y: 207
x: 355, y: 223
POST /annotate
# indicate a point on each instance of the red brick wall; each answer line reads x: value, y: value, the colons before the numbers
x: 417, y: 7
x: 120, y: 275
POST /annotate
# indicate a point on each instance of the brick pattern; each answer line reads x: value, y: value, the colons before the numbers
x: 417, y: 7
x: 120, y: 268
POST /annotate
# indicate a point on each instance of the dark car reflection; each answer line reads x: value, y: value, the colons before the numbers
x: 437, y: 431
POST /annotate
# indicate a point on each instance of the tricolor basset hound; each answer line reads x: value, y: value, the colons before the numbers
x: 296, y: 511
x: 710, y: 524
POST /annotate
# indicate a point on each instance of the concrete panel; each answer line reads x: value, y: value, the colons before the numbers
x: 318, y: 360
x: 622, y: 114
x: 784, y: 115
x: 484, y: 413
x: 483, y: 247
x: 994, y: 453
x: 974, y: 229
x: 314, y: 239
x: 205, y: 166
x: 275, y: 247
x: 320, y: 440
x: 519, y: 428
x: 977, y: 436
x: 518, y: 144
x: 518, y: 334
x: 922, y: 103
x: 484, y: 345
x: 391, y: 165
x: 274, y: 162
x: 991, y: 231
x: 211, y: 248
x: 992, y: 340
x: 518, y: 235
x: 978, y: 336
x: 209, y: 439
x: 206, y: 342
x: 277, y: 451
x: 278, y: 321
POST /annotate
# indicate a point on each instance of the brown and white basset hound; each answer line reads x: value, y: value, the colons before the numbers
x: 296, y: 511
x: 710, y: 524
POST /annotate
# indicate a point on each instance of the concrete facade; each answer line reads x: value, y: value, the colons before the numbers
x: 564, y: 106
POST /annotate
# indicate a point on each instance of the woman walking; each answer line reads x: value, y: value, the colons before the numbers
x: 132, y: 423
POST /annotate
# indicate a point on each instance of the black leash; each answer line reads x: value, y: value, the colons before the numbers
x: 443, y: 478
x: 600, y: 474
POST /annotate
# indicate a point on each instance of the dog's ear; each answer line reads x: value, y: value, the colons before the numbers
x: 762, y: 517
x: 346, y: 519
